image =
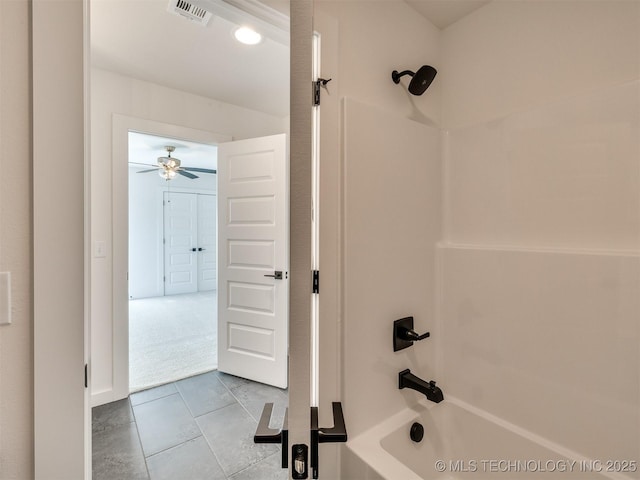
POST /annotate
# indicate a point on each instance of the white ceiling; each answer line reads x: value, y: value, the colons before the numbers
x: 142, y: 39
x: 443, y: 13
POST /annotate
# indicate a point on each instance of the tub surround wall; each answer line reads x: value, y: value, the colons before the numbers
x: 377, y: 38
x: 565, y: 175
x: 514, y: 55
x: 547, y: 341
x: 391, y: 226
x: 539, y: 258
x: 541, y: 249
x: 387, y: 196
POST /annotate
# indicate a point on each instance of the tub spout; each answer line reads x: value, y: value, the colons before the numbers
x: 406, y: 379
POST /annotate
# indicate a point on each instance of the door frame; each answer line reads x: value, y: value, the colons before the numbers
x: 59, y: 81
x: 121, y: 126
x: 300, y: 208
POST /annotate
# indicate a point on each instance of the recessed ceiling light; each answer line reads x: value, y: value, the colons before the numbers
x: 247, y: 36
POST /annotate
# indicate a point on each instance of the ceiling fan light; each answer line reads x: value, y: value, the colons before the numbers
x: 167, y: 173
x: 168, y: 162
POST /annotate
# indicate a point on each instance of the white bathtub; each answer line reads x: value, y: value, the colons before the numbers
x: 461, y: 442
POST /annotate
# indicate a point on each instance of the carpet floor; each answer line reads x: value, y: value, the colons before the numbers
x: 171, y: 338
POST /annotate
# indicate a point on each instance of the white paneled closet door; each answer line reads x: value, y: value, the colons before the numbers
x: 189, y: 243
x: 207, y: 242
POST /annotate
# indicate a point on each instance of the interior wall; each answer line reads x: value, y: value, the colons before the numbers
x: 16, y: 340
x: 541, y: 250
x: 390, y: 179
x: 111, y: 94
x: 146, y: 227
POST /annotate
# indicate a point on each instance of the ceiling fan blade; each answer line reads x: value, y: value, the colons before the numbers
x: 203, y: 170
x: 150, y: 170
x: 187, y: 174
x: 143, y: 164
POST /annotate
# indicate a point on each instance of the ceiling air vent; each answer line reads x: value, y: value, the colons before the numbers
x: 190, y: 11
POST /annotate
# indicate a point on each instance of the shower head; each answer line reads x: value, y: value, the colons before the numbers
x: 420, y: 81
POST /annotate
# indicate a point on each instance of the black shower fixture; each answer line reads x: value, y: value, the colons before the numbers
x: 420, y: 81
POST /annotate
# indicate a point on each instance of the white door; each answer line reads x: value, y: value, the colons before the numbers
x: 252, y: 246
x: 180, y: 240
x: 207, y: 243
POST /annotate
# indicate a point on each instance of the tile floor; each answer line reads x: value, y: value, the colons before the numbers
x: 200, y: 427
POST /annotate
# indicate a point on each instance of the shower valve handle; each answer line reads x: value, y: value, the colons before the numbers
x: 404, y: 335
x: 410, y: 335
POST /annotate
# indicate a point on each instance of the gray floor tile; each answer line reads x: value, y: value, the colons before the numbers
x: 253, y: 396
x: 111, y: 415
x: 268, y: 469
x: 229, y: 432
x: 192, y: 460
x: 231, y: 381
x: 204, y: 393
x: 117, y: 454
x: 164, y: 423
x: 153, y: 394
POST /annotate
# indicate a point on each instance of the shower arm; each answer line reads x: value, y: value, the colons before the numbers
x: 395, y: 75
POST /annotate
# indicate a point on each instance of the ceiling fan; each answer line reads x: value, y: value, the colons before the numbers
x: 168, y: 167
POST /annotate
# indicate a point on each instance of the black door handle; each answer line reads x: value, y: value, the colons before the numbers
x: 201, y: 249
x: 276, y: 275
x: 264, y: 434
x: 194, y: 249
x: 337, y: 433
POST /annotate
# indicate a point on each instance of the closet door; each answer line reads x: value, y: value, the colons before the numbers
x: 180, y: 243
x: 207, y: 239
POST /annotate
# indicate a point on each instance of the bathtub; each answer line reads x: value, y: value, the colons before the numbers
x: 462, y: 442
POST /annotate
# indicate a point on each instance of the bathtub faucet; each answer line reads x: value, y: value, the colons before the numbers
x: 406, y: 379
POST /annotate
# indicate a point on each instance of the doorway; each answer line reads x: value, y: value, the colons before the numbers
x: 203, y: 425
x: 172, y: 260
x: 166, y: 97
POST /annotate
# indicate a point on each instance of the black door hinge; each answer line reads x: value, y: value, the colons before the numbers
x: 316, y: 281
x: 321, y: 82
x: 86, y: 376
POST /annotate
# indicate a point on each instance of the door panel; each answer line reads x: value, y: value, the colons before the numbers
x: 207, y: 241
x: 253, y: 242
x: 180, y: 236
